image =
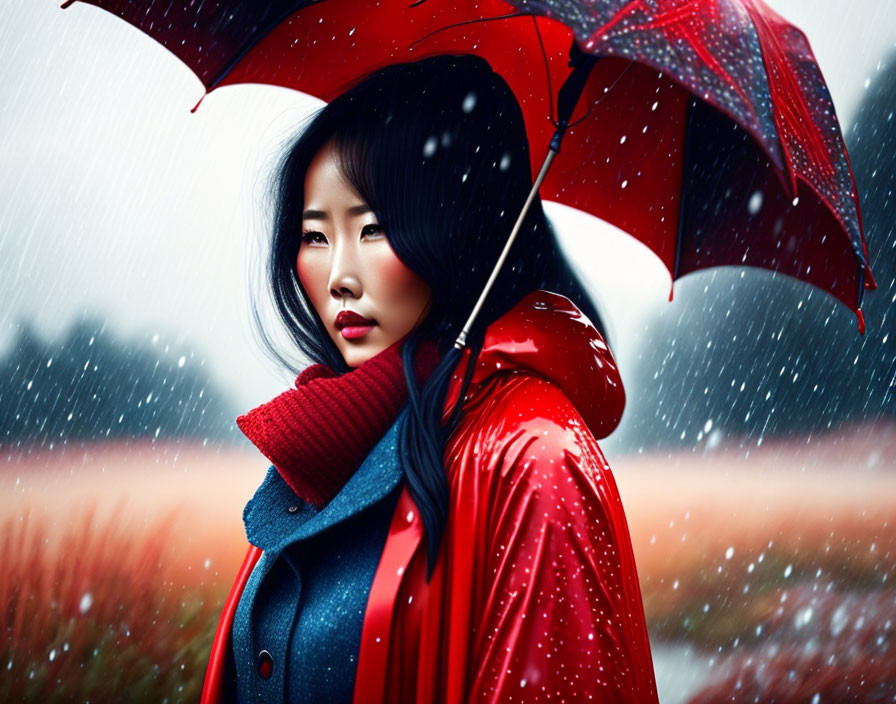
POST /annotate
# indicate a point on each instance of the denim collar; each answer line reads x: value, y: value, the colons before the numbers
x: 275, y: 516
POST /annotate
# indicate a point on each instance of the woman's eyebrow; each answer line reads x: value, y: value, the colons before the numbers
x: 321, y: 215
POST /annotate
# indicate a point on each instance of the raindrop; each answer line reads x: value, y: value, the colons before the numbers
x: 729, y: 553
x: 469, y: 102
x: 85, y: 603
x: 182, y: 361
x: 755, y: 203
x: 505, y: 162
x: 429, y: 148
x: 839, y: 620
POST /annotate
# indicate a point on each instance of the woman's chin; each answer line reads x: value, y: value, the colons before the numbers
x: 356, y: 352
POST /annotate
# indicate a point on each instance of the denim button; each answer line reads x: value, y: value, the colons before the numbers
x: 293, y: 509
x: 265, y: 664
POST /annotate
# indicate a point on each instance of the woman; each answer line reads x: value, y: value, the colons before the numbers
x: 435, y: 527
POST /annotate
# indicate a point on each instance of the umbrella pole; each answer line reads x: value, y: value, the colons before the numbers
x: 567, y: 98
x: 461, y: 340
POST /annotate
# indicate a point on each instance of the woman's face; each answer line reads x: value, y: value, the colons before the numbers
x: 364, y: 294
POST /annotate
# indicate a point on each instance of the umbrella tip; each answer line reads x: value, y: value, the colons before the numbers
x: 66, y: 4
x: 197, y: 104
x: 671, y: 291
x: 870, y: 283
x: 860, y: 318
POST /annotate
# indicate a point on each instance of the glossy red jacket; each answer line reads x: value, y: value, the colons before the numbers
x: 535, y: 594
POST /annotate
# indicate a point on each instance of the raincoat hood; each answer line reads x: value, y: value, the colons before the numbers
x: 546, y: 335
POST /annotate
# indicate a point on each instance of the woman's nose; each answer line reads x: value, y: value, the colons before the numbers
x: 344, y: 280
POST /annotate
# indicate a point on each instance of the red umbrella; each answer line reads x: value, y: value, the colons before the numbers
x: 711, y: 137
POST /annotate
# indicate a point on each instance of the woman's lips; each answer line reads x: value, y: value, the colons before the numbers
x: 352, y: 326
x: 353, y: 332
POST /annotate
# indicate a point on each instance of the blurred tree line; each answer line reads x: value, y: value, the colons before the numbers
x: 90, y: 386
x: 746, y: 353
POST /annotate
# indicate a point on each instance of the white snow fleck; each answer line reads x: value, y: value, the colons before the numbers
x: 755, y: 203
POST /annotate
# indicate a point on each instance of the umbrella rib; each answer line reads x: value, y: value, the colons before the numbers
x: 682, y: 199
x: 547, y: 71
x: 247, y: 46
x: 466, y: 22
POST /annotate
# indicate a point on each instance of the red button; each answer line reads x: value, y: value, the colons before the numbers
x: 265, y: 664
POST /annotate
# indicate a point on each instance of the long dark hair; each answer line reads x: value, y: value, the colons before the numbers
x: 438, y: 149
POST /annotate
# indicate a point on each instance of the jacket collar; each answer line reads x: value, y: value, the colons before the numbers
x: 275, y: 516
x: 547, y: 335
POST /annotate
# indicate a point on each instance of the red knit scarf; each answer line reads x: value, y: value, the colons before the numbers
x: 317, y: 434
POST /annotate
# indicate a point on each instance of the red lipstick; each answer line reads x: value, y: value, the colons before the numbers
x: 352, y: 325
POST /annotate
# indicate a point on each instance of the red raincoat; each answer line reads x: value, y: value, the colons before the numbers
x: 535, y: 594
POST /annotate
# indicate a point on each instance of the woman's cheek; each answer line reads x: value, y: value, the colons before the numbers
x: 401, y: 289
x: 311, y: 270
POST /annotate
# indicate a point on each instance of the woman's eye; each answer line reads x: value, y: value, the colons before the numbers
x: 311, y: 237
x: 372, y: 231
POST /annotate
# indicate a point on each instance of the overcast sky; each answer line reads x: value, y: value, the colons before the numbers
x: 115, y: 200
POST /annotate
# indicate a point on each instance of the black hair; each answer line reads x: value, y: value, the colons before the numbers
x: 438, y: 149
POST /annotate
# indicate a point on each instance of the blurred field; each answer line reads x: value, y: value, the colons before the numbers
x: 769, y: 569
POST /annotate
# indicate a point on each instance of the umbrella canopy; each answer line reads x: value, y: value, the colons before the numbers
x: 712, y: 136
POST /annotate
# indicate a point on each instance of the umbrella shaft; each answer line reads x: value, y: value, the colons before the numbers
x: 461, y: 341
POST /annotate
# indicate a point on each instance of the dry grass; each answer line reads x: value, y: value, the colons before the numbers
x: 116, y: 564
x: 819, y: 646
x: 96, y: 615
